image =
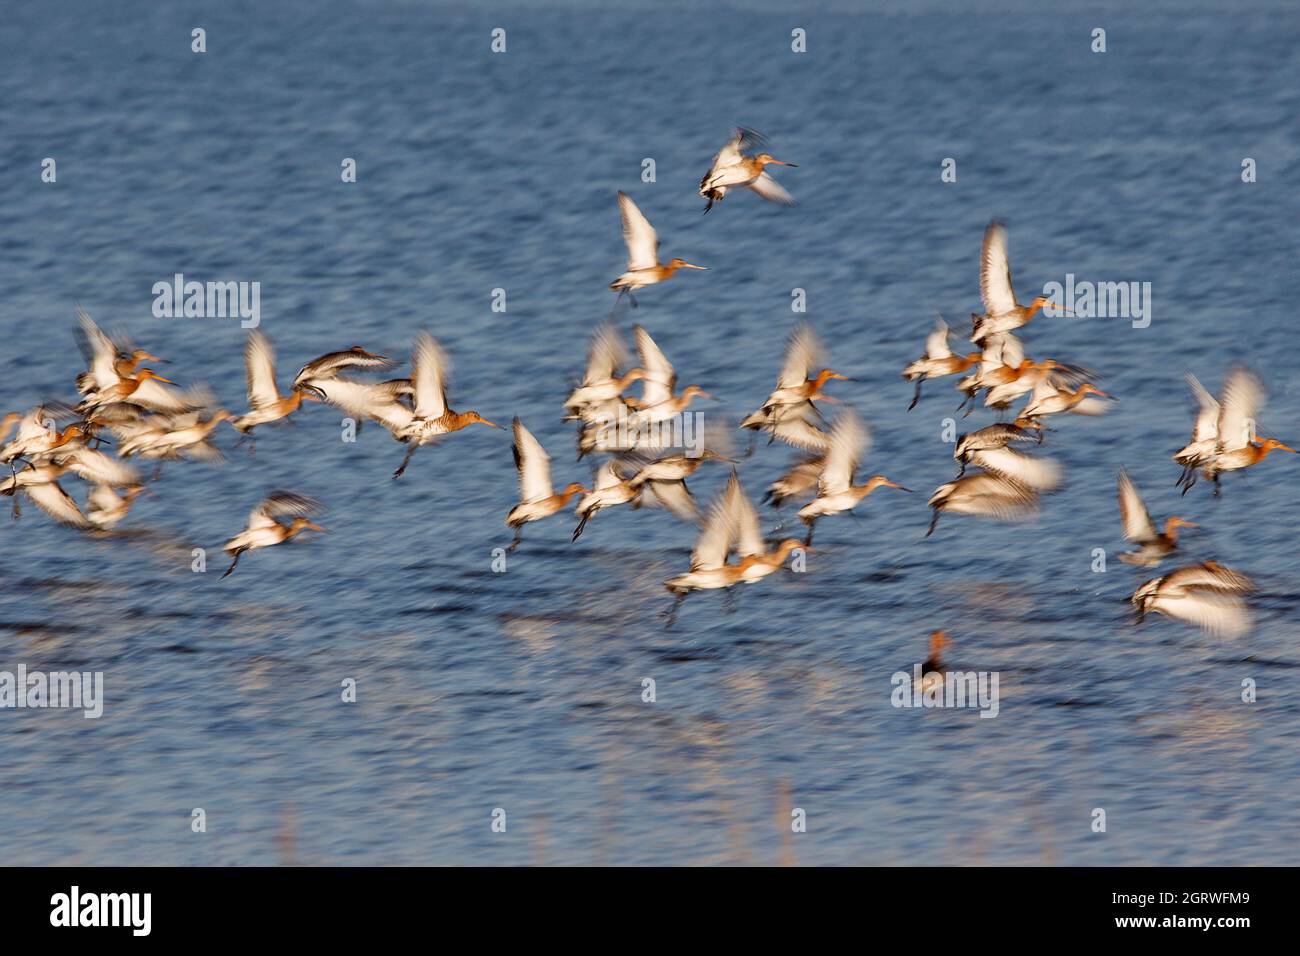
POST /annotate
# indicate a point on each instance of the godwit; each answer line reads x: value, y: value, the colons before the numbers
x: 105, y: 508
x: 798, y: 385
x: 1001, y: 310
x: 1048, y: 399
x: 798, y: 483
x: 732, y: 169
x: 792, y: 424
x: 264, y: 529
x: 1235, y: 446
x: 1153, y: 546
x: 609, y: 489
x: 1001, y: 359
x: 330, y: 365
x: 93, y: 465
x: 994, y: 436
x: 601, y: 383
x: 1205, y: 433
x: 732, y: 524
x: 431, y: 417
x: 836, y: 491
x: 937, y: 361
x: 932, y: 669
x: 264, y: 401
x: 425, y: 421
x: 37, y: 437
x: 537, y: 499
x: 1208, y: 595
x: 40, y: 483
x: 168, y: 438
x: 643, y: 266
x: 658, y: 381
x: 137, y: 390
x: 663, y: 481
x: 983, y: 493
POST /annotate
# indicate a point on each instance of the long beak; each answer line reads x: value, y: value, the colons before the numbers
x: 315, y: 527
x: 781, y: 162
x: 491, y: 424
x: 1059, y: 308
x: 1097, y: 391
x: 710, y: 395
x: 1289, y: 448
x: 688, y: 265
x: 161, y: 379
x: 891, y: 484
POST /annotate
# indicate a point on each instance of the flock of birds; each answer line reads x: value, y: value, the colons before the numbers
x: 131, y: 409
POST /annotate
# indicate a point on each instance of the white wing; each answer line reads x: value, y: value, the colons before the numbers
x: 56, y: 503
x: 429, y: 369
x: 802, y: 352
x: 1041, y: 474
x: 102, y: 352
x: 1133, y: 513
x: 711, y: 546
x: 606, y: 355
x: 995, y: 271
x: 743, y: 520
x: 93, y: 465
x: 771, y: 190
x: 259, y: 370
x: 1207, y: 414
x: 847, y: 446
x: 660, y: 377
x: 1242, y: 397
x: 364, y: 400
x: 533, y: 463
x: 642, y: 241
x: 936, y: 343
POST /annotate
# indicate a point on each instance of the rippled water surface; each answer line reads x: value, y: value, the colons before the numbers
x: 522, y: 690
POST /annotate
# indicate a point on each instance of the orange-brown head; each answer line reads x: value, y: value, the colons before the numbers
x: 1043, y: 301
x: 1268, y: 444
x: 474, y: 418
x: 767, y: 159
x: 880, y: 481
x: 938, y: 641
x: 303, y: 524
x: 1173, y: 523
x: 674, y: 264
x: 145, y: 374
x: 1087, y: 388
x: 569, y: 491
x: 690, y: 391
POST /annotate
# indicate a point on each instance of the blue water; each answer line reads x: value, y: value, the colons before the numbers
x: 522, y: 690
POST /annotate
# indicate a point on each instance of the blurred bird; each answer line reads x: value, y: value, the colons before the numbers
x: 732, y: 169
x: 264, y: 401
x: 983, y: 493
x: 732, y: 525
x: 537, y: 499
x: 1208, y: 595
x: 836, y: 491
x: 643, y: 266
x: 937, y: 361
x: 330, y: 365
x: 1002, y: 312
x: 265, y: 529
x: 1153, y: 546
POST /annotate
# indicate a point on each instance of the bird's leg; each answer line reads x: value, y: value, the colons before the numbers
x: 670, y: 615
x: 17, y: 511
x: 933, y: 521
x: 519, y: 536
x: 1217, y: 489
x: 405, y: 461
x: 807, y: 542
x: 962, y: 470
x: 729, y: 601
x: 233, y: 563
x: 917, y: 397
x: 577, y: 532
x: 157, y: 471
